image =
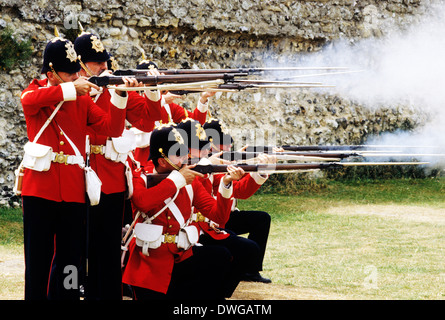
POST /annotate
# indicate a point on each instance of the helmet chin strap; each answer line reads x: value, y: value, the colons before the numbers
x: 84, y: 67
x: 55, y: 73
x: 168, y: 160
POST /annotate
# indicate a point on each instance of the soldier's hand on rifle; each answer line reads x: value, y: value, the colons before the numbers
x: 233, y: 173
x: 170, y: 97
x: 277, y: 149
x: 153, y: 72
x: 128, y: 82
x: 215, y: 159
x: 206, y: 95
x: 265, y: 158
x: 83, y: 86
x: 190, y: 174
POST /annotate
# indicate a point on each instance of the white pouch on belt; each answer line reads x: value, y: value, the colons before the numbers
x: 148, y: 236
x: 188, y: 237
x: 37, y: 156
x: 93, y: 186
x: 117, y: 149
x: 141, y: 138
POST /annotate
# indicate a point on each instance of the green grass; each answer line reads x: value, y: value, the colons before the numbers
x: 11, y: 227
x: 357, y: 256
x: 314, y: 245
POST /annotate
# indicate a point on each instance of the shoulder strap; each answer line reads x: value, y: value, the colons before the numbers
x: 48, y: 121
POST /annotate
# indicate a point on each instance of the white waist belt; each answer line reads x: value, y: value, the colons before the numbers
x: 67, y: 159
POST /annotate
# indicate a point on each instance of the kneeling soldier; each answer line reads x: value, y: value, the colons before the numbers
x: 164, y: 261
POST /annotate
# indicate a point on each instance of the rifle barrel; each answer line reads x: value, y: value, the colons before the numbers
x: 267, y: 149
x: 154, y: 80
x: 249, y: 70
x: 238, y: 155
x: 155, y: 178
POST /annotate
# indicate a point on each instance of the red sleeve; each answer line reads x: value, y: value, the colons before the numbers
x: 37, y: 96
x: 143, y: 198
x: 142, y: 112
x: 217, y: 210
x: 199, y: 116
x: 110, y: 124
x: 178, y: 113
x: 242, y: 189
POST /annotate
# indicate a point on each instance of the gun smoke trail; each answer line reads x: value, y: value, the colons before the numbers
x: 402, y: 68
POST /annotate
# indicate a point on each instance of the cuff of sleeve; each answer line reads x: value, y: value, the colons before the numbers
x: 69, y: 91
x: 118, y: 101
x: 203, y: 107
x: 226, y: 191
x: 259, y: 179
x: 178, y: 179
x: 153, y: 95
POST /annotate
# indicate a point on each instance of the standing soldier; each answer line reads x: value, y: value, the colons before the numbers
x: 58, y: 111
x: 171, y: 112
x: 108, y: 157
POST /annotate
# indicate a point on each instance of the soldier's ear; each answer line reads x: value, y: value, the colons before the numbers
x: 50, y: 76
x: 162, y: 163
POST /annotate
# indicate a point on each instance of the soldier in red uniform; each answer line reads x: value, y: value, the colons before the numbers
x: 108, y: 158
x: 254, y: 223
x: 245, y: 252
x: 171, y: 112
x: 54, y: 197
x: 164, y: 260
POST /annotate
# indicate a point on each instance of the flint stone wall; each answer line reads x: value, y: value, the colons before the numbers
x: 216, y: 34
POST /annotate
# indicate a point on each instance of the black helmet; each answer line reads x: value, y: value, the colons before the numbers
x: 89, y: 47
x: 193, y: 133
x: 60, y: 55
x: 216, y: 133
x: 166, y: 140
x: 146, y: 64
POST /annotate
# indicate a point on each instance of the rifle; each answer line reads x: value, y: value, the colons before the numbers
x: 154, y: 80
x: 133, y: 72
x: 233, y: 86
x: 267, y: 149
x: 155, y: 178
x: 239, y: 155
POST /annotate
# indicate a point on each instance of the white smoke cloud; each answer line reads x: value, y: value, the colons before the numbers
x: 405, y: 67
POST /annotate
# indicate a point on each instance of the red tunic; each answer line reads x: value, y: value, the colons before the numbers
x: 177, y: 114
x: 140, y: 112
x: 63, y: 182
x: 154, y: 271
x: 242, y: 189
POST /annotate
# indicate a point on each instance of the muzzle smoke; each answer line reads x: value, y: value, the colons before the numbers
x: 406, y: 67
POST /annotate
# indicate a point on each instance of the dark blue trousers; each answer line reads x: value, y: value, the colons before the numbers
x: 104, y: 278
x: 254, y: 223
x: 245, y: 257
x: 54, y: 244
